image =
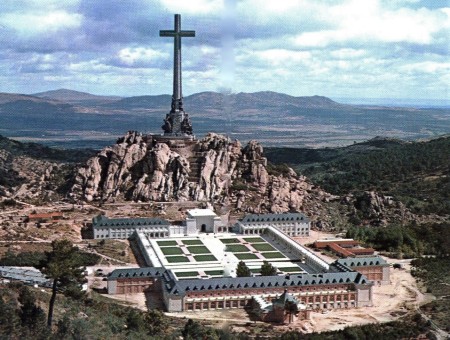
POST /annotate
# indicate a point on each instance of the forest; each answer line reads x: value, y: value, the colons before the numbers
x: 416, y: 173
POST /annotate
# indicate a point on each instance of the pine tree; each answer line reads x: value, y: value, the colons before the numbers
x: 242, y: 270
x: 267, y: 269
x: 63, y: 265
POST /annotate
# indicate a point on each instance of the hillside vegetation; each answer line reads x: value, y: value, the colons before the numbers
x: 416, y: 173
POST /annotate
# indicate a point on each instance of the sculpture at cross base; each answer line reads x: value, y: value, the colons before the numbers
x: 177, y: 122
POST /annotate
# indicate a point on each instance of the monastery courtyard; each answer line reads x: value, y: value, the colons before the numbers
x: 215, y: 255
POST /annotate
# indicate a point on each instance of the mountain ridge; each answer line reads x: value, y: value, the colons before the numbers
x: 275, y: 119
x: 72, y: 96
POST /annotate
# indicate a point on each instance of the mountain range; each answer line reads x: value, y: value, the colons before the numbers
x: 67, y: 118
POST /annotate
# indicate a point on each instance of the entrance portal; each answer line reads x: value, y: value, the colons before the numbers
x: 203, y: 229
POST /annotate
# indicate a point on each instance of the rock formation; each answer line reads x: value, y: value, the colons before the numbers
x: 217, y: 170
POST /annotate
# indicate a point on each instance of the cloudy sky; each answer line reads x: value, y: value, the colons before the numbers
x: 336, y: 48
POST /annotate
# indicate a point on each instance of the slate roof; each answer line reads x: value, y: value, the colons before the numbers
x: 103, y: 221
x: 285, y: 297
x: 363, y: 261
x: 183, y: 286
x: 274, y: 217
x: 25, y: 274
x: 135, y: 272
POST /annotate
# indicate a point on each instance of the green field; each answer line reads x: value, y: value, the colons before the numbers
x: 237, y: 248
x: 176, y: 259
x: 203, y: 258
x: 214, y: 272
x: 263, y: 247
x: 166, y: 243
x: 192, y: 242
x: 229, y: 240
x: 198, y: 250
x: 171, y: 251
x: 246, y: 256
x: 253, y: 239
x: 186, y: 274
x: 291, y: 269
x: 273, y: 255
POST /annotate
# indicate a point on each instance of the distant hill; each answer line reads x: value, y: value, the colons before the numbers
x: 14, y: 97
x: 207, y: 101
x: 38, y: 151
x: 75, y: 97
x: 66, y: 118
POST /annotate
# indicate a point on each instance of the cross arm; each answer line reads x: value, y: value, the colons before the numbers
x: 187, y: 34
x: 170, y: 33
x: 167, y: 33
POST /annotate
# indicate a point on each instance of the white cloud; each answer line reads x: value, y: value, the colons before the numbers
x: 427, y: 67
x: 370, y: 22
x: 193, y: 6
x: 138, y: 55
x: 345, y: 53
x: 38, y: 23
x: 281, y: 56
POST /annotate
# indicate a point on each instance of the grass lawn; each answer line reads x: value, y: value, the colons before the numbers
x: 263, y: 247
x: 253, y: 239
x: 198, y: 250
x: 186, y: 274
x: 166, y: 243
x: 171, y: 251
x: 229, y: 240
x: 192, y: 242
x: 237, y: 248
x: 246, y: 256
x: 273, y: 255
x: 214, y: 272
x: 176, y: 259
x: 202, y: 258
x: 291, y: 269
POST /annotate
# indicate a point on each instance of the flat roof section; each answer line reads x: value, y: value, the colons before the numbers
x: 201, y: 213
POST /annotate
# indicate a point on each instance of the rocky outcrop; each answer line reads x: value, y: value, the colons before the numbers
x: 138, y: 170
x: 373, y: 208
x: 29, y: 179
x: 216, y: 169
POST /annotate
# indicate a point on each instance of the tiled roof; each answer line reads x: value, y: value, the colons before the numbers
x: 362, y: 261
x: 285, y: 297
x: 135, y: 272
x: 45, y: 215
x: 275, y: 217
x: 183, y: 286
x: 103, y: 221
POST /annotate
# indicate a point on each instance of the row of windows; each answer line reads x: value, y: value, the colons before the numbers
x: 216, y: 304
x: 191, y: 306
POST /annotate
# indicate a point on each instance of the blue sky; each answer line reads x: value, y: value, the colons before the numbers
x: 335, y: 48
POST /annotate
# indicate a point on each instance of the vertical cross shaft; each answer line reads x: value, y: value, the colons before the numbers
x: 177, y: 33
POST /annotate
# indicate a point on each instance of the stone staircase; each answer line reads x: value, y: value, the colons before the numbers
x: 195, y: 164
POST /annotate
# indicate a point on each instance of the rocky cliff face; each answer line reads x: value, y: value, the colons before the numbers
x: 216, y: 170
x: 26, y: 178
x: 370, y: 207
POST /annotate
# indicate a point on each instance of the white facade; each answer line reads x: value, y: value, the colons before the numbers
x: 202, y: 220
x: 122, y: 228
x: 292, y: 224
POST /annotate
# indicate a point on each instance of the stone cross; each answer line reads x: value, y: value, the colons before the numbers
x: 177, y: 34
